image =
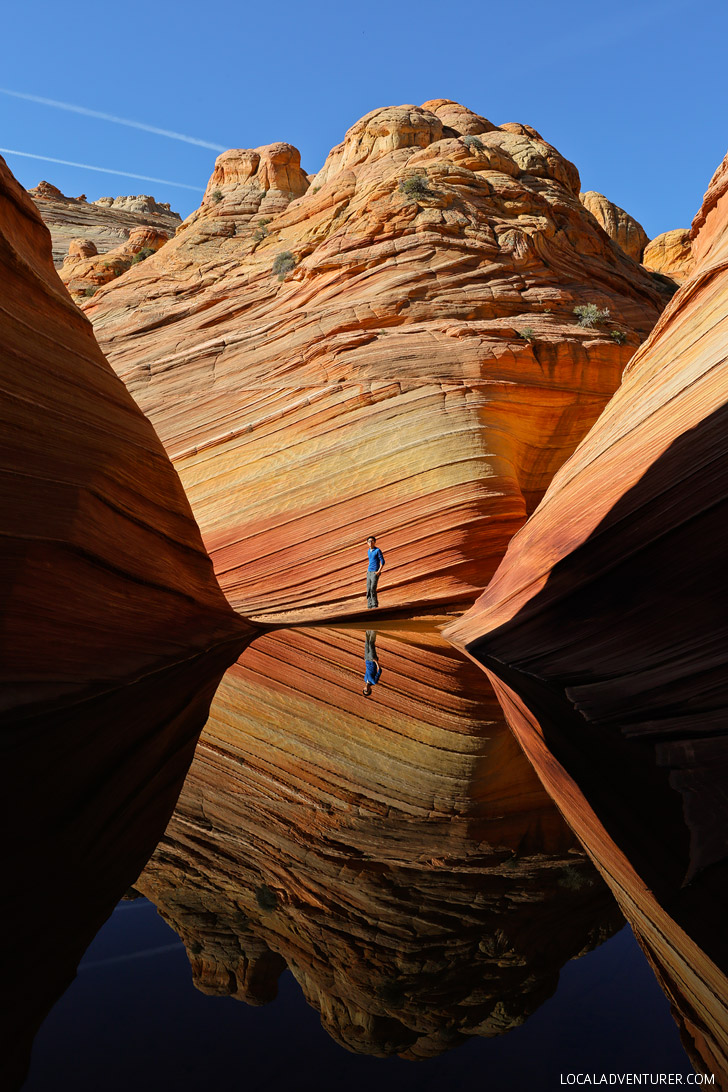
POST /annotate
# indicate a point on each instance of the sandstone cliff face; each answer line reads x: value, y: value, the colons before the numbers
x: 390, y: 349
x: 605, y: 630
x: 114, y: 629
x: 104, y: 569
x: 397, y: 852
x: 670, y: 254
x: 85, y: 270
x: 107, y: 222
x: 618, y: 224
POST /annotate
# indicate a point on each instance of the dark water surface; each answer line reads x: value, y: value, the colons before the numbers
x: 382, y: 873
x: 132, y: 1019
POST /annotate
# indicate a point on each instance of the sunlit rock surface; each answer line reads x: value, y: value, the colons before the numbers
x: 606, y: 633
x: 396, y: 852
x: 389, y: 347
x: 108, y: 222
x: 670, y: 254
x: 618, y: 224
x: 114, y: 630
x: 85, y: 270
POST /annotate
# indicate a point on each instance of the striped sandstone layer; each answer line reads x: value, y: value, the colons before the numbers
x: 390, y: 349
x: 605, y: 633
x: 107, y: 223
x: 397, y: 853
x: 109, y: 599
x: 618, y: 224
x: 85, y: 270
x: 671, y: 254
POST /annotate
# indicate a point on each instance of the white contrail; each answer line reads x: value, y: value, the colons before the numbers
x: 103, y: 170
x: 112, y: 117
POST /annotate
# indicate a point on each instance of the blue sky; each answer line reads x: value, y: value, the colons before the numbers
x: 634, y: 94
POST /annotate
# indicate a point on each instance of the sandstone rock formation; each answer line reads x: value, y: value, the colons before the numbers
x: 618, y: 224
x: 107, y: 222
x: 670, y: 254
x: 391, y: 349
x: 109, y: 599
x: 85, y: 270
x: 396, y: 853
x: 605, y: 631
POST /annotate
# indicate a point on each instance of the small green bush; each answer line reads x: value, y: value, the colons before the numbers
x: 619, y: 336
x: 589, y: 314
x: 415, y: 187
x: 527, y: 333
x: 261, y: 232
x: 88, y: 292
x: 473, y: 144
x: 216, y: 196
x: 143, y: 254
x: 283, y: 263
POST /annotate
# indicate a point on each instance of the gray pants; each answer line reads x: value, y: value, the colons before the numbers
x: 372, y: 581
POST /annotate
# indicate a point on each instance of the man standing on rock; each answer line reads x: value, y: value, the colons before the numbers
x: 376, y: 564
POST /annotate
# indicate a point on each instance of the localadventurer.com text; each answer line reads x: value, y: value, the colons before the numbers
x: 637, y: 1078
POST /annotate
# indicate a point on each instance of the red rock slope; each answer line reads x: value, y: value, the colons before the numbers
x: 391, y: 349
x: 104, y: 571
x: 605, y: 630
x: 107, y: 223
x: 396, y: 852
x: 114, y: 629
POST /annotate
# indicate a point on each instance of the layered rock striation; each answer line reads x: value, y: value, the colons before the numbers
x: 114, y: 629
x: 670, y: 254
x: 107, y: 223
x: 395, y: 852
x: 389, y: 347
x: 85, y: 270
x: 605, y: 632
x: 627, y: 232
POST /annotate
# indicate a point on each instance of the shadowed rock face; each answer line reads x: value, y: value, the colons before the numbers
x: 114, y: 630
x: 390, y: 349
x: 108, y: 222
x: 395, y: 852
x: 104, y: 574
x: 605, y: 633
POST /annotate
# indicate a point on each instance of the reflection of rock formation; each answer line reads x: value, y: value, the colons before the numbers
x: 396, y: 852
x: 112, y: 625
x: 606, y: 631
x: 391, y: 349
x: 107, y: 222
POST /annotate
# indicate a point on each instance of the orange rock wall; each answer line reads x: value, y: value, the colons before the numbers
x: 605, y: 631
x: 417, y: 372
x: 114, y: 631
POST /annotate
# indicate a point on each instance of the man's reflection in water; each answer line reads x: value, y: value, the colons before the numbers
x: 372, y: 670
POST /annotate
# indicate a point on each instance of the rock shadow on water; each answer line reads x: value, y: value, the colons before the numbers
x: 395, y: 851
x: 88, y: 788
x: 614, y: 679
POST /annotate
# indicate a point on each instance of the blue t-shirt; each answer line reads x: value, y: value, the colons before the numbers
x: 376, y: 559
x: 371, y: 675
